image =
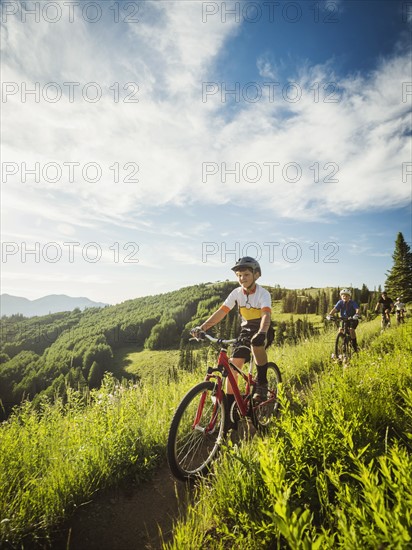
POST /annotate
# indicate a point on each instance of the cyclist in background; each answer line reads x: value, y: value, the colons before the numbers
x: 348, y: 308
x: 256, y: 332
x: 387, y: 305
x: 400, y: 310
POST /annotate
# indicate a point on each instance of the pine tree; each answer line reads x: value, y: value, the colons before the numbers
x: 322, y: 303
x: 399, y: 278
x: 290, y: 330
x: 299, y: 329
x: 364, y: 294
x: 280, y: 329
x: 95, y: 375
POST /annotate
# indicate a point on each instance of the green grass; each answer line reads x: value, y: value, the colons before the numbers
x: 54, y: 459
x: 148, y: 365
x: 299, y: 363
x: 335, y: 472
x: 317, y: 320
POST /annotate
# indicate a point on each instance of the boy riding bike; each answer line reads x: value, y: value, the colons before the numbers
x: 387, y: 305
x: 254, y: 303
x: 348, y: 308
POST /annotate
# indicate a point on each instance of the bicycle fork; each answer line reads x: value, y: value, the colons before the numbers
x: 216, y: 397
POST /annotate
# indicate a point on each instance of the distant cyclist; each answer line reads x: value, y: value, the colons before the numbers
x: 400, y: 310
x: 349, y: 310
x: 386, y: 303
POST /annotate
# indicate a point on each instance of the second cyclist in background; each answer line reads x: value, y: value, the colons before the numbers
x: 386, y: 303
x: 400, y: 310
x: 348, y: 310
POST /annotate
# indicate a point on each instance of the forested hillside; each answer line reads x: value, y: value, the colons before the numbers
x: 42, y: 356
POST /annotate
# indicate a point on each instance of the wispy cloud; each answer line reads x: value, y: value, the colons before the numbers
x: 336, y: 157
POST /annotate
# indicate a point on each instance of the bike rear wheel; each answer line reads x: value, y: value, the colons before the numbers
x: 197, y: 431
x: 265, y: 411
x: 343, y: 349
x: 385, y: 323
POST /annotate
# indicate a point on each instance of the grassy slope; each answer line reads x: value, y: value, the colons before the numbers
x: 52, y: 461
x: 336, y: 472
x: 147, y: 365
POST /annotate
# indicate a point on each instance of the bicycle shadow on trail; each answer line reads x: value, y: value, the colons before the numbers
x: 133, y: 517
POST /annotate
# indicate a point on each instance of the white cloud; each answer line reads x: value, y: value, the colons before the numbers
x: 170, y: 133
x: 164, y: 140
x: 266, y: 68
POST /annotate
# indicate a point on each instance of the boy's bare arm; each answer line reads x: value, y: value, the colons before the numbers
x: 264, y: 321
x: 215, y: 318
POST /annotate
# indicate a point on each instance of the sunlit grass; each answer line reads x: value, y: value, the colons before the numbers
x: 147, y: 365
x: 53, y: 460
x: 298, y: 363
x: 286, y: 487
x: 335, y: 472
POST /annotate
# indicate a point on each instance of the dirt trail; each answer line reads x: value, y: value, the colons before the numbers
x: 127, y: 518
x: 132, y: 516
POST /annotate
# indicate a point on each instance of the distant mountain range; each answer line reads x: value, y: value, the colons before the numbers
x: 10, y: 305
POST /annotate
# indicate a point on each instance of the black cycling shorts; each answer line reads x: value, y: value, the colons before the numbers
x: 352, y: 323
x: 242, y: 347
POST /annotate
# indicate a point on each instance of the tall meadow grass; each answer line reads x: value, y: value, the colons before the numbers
x: 301, y: 483
x: 54, y: 459
x: 300, y: 363
x: 335, y: 471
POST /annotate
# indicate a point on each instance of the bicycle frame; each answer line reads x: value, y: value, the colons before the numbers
x: 225, y: 368
x: 400, y: 315
x: 385, y: 319
x: 345, y: 328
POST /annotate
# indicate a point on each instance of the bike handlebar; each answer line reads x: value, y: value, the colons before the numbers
x: 334, y: 318
x: 204, y: 336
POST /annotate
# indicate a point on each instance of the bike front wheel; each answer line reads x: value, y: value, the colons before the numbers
x: 265, y: 411
x: 385, y: 323
x: 343, y: 349
x: 197, y: 431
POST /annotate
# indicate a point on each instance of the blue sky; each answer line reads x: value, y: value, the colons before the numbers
x: 145, y: 145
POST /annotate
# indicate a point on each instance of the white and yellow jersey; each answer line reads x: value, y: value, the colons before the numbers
x: 251, y: 305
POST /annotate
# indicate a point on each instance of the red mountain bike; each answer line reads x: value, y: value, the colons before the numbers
x: 201, y: 421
